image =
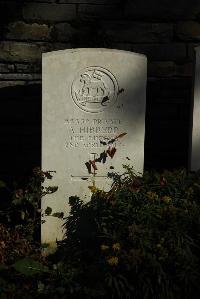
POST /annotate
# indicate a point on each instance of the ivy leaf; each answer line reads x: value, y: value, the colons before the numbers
x: 48, y: 211
x: 29, y: 267
x: 58, y: 215
x: 103, y: 142
x: 51, y: 189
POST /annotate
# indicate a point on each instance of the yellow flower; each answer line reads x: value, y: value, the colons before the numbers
x: 152, y: 195
x: 113, y: 261
x: 93, y: 189
x: 116, y: 247
x: 104, y: 247
x: 167, y: 199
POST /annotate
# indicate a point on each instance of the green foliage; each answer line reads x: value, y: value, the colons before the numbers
x: 30, y: 267
x: 139, y: 240
x: 24, y: 209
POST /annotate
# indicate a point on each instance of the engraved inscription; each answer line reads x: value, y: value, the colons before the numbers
x: 90, y: 133
x: 94, y: 89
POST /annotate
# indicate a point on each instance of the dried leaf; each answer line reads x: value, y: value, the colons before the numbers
x: 93, y: 163
x: 88, y: 165
x: 58, y: 215
x: 120, y: 135
x: 111, y: 151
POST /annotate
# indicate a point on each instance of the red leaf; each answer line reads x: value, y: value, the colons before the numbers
x: 93, y: 163
x: 120, y: 135
x: 88, y: 165
x: 111, y: 151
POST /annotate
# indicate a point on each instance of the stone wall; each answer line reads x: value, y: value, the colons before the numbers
x: 166, y: 31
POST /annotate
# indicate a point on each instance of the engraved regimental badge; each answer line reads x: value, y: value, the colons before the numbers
x: 94, y: 89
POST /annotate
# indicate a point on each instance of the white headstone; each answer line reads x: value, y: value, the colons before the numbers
x: 195, y: 158
x: 91, y: 97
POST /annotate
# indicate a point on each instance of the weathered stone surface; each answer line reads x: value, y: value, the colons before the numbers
x: 49, y: 12
x: 172, y: 52
x: 25, y: 77
x: 18, y: 51
x: 186, y: 69
x: 11, y: 83
x: 87, y: 11
x: 40, y: 1
x: 27, y: 52
x: 6, y: 68
x: 10, y: 10
x: 166, y: 10
x: 83, y: 35
x: 161, y: 69
x: 137, y: 32
x: 167, y: 90
x: 188, y: 31
x: 62, y: 32
x: 156, y: 52
x: 23, y: 31
x: 27, y: 68
x: 169, y: 69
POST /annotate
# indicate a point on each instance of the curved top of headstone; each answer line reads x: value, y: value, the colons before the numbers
x: 97, y: 50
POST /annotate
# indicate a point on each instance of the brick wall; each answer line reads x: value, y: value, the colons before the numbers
x: 166, y: 31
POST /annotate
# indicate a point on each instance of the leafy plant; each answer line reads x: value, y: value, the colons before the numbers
x: 139, y: 240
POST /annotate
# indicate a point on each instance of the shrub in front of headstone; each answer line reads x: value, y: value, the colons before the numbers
x: 21, y: 218
x: 22, y: 267
x: 139, y: 240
